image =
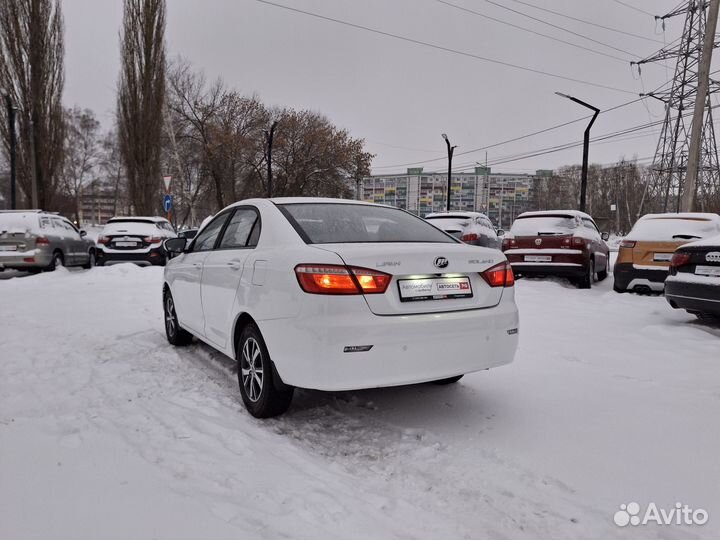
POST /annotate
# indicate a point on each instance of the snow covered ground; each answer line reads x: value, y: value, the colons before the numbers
x: 108, y: 432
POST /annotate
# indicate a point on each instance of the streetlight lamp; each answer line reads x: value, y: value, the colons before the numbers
x: 586, y: 147
x: 450, y: 150
x: 13, y: 150
x: 269, y: 139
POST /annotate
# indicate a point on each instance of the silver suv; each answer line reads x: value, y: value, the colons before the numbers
x: 34, y: 240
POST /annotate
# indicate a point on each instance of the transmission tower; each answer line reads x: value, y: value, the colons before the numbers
x: 669, y: 168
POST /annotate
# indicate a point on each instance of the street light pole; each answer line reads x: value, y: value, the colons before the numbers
x: 13, y: 151
x: 586, y: 147
x: 450, y: 150
x: 269, y: 138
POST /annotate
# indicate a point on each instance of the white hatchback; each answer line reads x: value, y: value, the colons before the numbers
x: 332, y: 294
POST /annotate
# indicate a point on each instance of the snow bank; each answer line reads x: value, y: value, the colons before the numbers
x: 109, y: 433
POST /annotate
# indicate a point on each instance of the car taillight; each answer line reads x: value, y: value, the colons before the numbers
x: 103, y: 240
x: 627, y: 244
x: 508, y: 243
x: 152, y: 239
x: 578, y: 241
x: 679, y: 259
x: 42, y: 241
x: 500, y: 275
x: 339, y: 279
x: 470, y: 237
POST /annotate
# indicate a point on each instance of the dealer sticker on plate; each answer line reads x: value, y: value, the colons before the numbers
x: 434, y: 288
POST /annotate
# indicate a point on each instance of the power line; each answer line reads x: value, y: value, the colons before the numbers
x: 542, y: 21
x: 467, y: 10
x: 638, y: 36
x: 633, y: 8
x: 445, y: 49
x: 507, y: 141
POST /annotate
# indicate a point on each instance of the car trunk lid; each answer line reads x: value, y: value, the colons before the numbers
x: 426, y: 277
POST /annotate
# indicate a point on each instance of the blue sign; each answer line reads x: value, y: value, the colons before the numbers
x: 167, y: 203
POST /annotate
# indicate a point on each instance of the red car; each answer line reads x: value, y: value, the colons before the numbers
x: 563, y: 243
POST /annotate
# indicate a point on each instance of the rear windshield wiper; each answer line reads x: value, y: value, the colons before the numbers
x: 540, y: 233
x: 688, y: 236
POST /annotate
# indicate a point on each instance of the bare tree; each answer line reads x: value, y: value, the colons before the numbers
x: 31, y: 72
x: 81, y: 154
x: 141, y: 96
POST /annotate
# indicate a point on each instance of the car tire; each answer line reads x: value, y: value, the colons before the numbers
x: 175, y: 334
x: 585, y: 282
x: 91, y: 261
x: 449, y: 380
x: 57, y: 260
x: 618, y: 289
x: 601, y: 276
x: 262, y: 391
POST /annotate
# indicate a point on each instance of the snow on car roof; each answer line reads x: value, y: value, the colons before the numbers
x: 711, y: 241
x: 539, y: 213
x: 462, y: 215
x: 683, y: 215
x: 140, y: 219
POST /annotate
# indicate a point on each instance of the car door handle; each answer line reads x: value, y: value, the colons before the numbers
x: 235, y: 265
x: 197, y: 264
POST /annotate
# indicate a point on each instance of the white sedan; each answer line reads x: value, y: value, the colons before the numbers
x: 334, y: 294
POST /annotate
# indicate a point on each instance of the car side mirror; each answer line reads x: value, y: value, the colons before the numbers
x: 500, y: 232
x: 175, y: 245
x: 83, y: 233
x: 605, y: 236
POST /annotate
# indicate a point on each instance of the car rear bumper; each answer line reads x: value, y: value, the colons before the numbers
x: 309, y: 351
x: 693, y: 296
x: 627, y: 277
x: 553, y: 269
x: 23, y: 260
x: 148, y: 257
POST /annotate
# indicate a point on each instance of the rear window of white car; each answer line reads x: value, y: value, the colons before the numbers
x: 544, y: 225
x: 143, y: 228
x: 664, y: 229
x: 17, y: 222
x: 331, y: 223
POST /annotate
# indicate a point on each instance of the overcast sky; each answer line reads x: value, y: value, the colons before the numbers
x: 401, y: 96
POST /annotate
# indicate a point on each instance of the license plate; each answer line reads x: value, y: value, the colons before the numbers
x: 707, y: 270
x: 662, y: 257
x: 126, y: 244
x: 8, y: 248
x: 434, y: 288
x: 538, y: 258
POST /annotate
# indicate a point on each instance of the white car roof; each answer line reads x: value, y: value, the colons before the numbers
x: 152, y: 219
x: 456, y: 214
x: 683, y: 215
x: 577, y: 213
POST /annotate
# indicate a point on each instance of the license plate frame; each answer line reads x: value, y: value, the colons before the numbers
x: 703, y: 270
x: 434, y: 288
x: 538, y: 258
x: 662, y: 257
x: 126, y: 244
x: 8, y: 248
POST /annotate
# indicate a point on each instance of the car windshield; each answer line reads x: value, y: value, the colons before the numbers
x: 543, y: 225
x: 664, y: 229
x: 330, y: 223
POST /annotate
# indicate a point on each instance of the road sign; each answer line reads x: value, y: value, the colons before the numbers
x: 167, y: 203
x: 166, y: 180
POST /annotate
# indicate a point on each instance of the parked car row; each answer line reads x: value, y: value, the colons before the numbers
x: 34, y: 241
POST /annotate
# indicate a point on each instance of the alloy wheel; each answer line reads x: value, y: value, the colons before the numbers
x: 170, y: 317
x: 251, y: 369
